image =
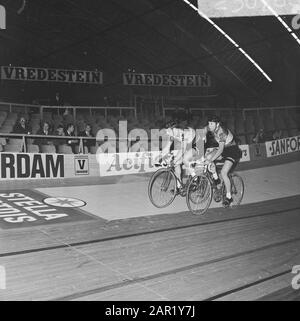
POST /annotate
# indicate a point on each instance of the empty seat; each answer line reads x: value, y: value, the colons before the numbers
x: 33, y: 148
x: 108, y: 147
x: 269, y: 124
x: 3, y: 114
x: 35, y: 116
x: 2, y: 141
x: 285, y: 133
x: 12, y: 116
x: 93, y: 149
x: 85, y: 150
x: 250, y: 138
x: 6, y: 129
x: 291, y: 122
x: 15, y: 141
x: 240, y: 127
x: 13, y: 148
x: 139, y: 147
x: 258, y: 123
x: 279, y: 121
x: 242, y: 140
x: 57, y: 118
x: 48, y: 149
x: 250, y: 125
x: 293, y: 132
x: 64, y: 149
x: 8, y: 122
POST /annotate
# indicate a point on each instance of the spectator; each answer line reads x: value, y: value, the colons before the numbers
x: 277, y: 134
x: 58, y: 100
x: 21, y: 127
x: 59, y: 132
x: 260, y: 137
x: 45, y: 131
x: 87, y: 133
x: 71, y: 142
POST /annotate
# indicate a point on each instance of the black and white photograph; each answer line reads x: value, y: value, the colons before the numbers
x: 149, y: 153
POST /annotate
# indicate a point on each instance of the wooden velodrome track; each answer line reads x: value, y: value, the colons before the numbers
x: 243, y: 253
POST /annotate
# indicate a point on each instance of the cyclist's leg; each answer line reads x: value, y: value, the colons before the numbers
x: 177, y: 168
x: 188, y: 156
x: 224, y: 173
x: 212, y: 167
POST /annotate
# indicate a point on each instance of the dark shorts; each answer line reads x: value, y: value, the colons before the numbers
x: 232, y: 153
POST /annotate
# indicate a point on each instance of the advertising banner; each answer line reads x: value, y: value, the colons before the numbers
x: 51, y: 75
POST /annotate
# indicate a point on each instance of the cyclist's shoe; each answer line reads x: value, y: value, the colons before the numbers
x: 227, y: 202
x: 217, y: 195
x: 177, y: 191
x: 160, y: 163
x: 182, y: 191
x: 217, y: 181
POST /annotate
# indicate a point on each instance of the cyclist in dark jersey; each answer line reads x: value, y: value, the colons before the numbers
x: 227, y: 150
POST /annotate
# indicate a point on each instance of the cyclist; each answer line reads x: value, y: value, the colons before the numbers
x: 227, y: 150
x: 181, y: 142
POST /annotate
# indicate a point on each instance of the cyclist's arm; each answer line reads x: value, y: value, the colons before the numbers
x: 219, y: 151
x: 166, y: 149
x: 205, y: 133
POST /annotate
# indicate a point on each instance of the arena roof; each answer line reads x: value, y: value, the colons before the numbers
x: 161, y: 36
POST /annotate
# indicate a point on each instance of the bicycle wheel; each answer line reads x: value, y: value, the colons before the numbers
x: 199, y: 194
x: 162, y: 188
x: 237, y: 189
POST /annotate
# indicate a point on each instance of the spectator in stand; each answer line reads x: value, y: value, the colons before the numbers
x: 87, y: 133
x: 58, y: 101
x: 21, y: 127
x: 59, y: 132
x: 277, y: 134
x: 70, y: 133
x: 260, y: 137
x: 45, y: 130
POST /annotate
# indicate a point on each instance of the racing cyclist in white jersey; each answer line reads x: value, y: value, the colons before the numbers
x: 227, y: 150
x: 181, y: 138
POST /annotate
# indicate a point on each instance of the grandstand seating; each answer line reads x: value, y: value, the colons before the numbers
x: 86, y: 151
x: 12, y: 148
x: 244, y: 128
x: 33, y: 148
x: 64, y: 149
x: 50, y: 149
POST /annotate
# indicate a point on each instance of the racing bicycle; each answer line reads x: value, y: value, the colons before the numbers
x: 202, y: 188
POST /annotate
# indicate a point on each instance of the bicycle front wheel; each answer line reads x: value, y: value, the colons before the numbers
x: 199, y: 195
x: 162, y: 188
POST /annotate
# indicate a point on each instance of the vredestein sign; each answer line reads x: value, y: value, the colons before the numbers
x: 135, y: 79
x: 52, y: 75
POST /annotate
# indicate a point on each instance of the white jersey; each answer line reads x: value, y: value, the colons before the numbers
x: 182, y: 136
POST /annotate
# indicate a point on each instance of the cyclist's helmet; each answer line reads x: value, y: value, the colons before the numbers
x: 213, y: 118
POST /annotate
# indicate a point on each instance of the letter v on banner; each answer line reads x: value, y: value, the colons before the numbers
x: 81, y: 165
x: 2, y: 17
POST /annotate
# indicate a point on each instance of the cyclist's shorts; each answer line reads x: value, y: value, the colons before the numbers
x: 232, y: 153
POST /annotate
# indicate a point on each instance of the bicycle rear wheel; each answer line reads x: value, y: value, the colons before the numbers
x: 199, y: 194
x: 162, y: 188
x: 237, y: 189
